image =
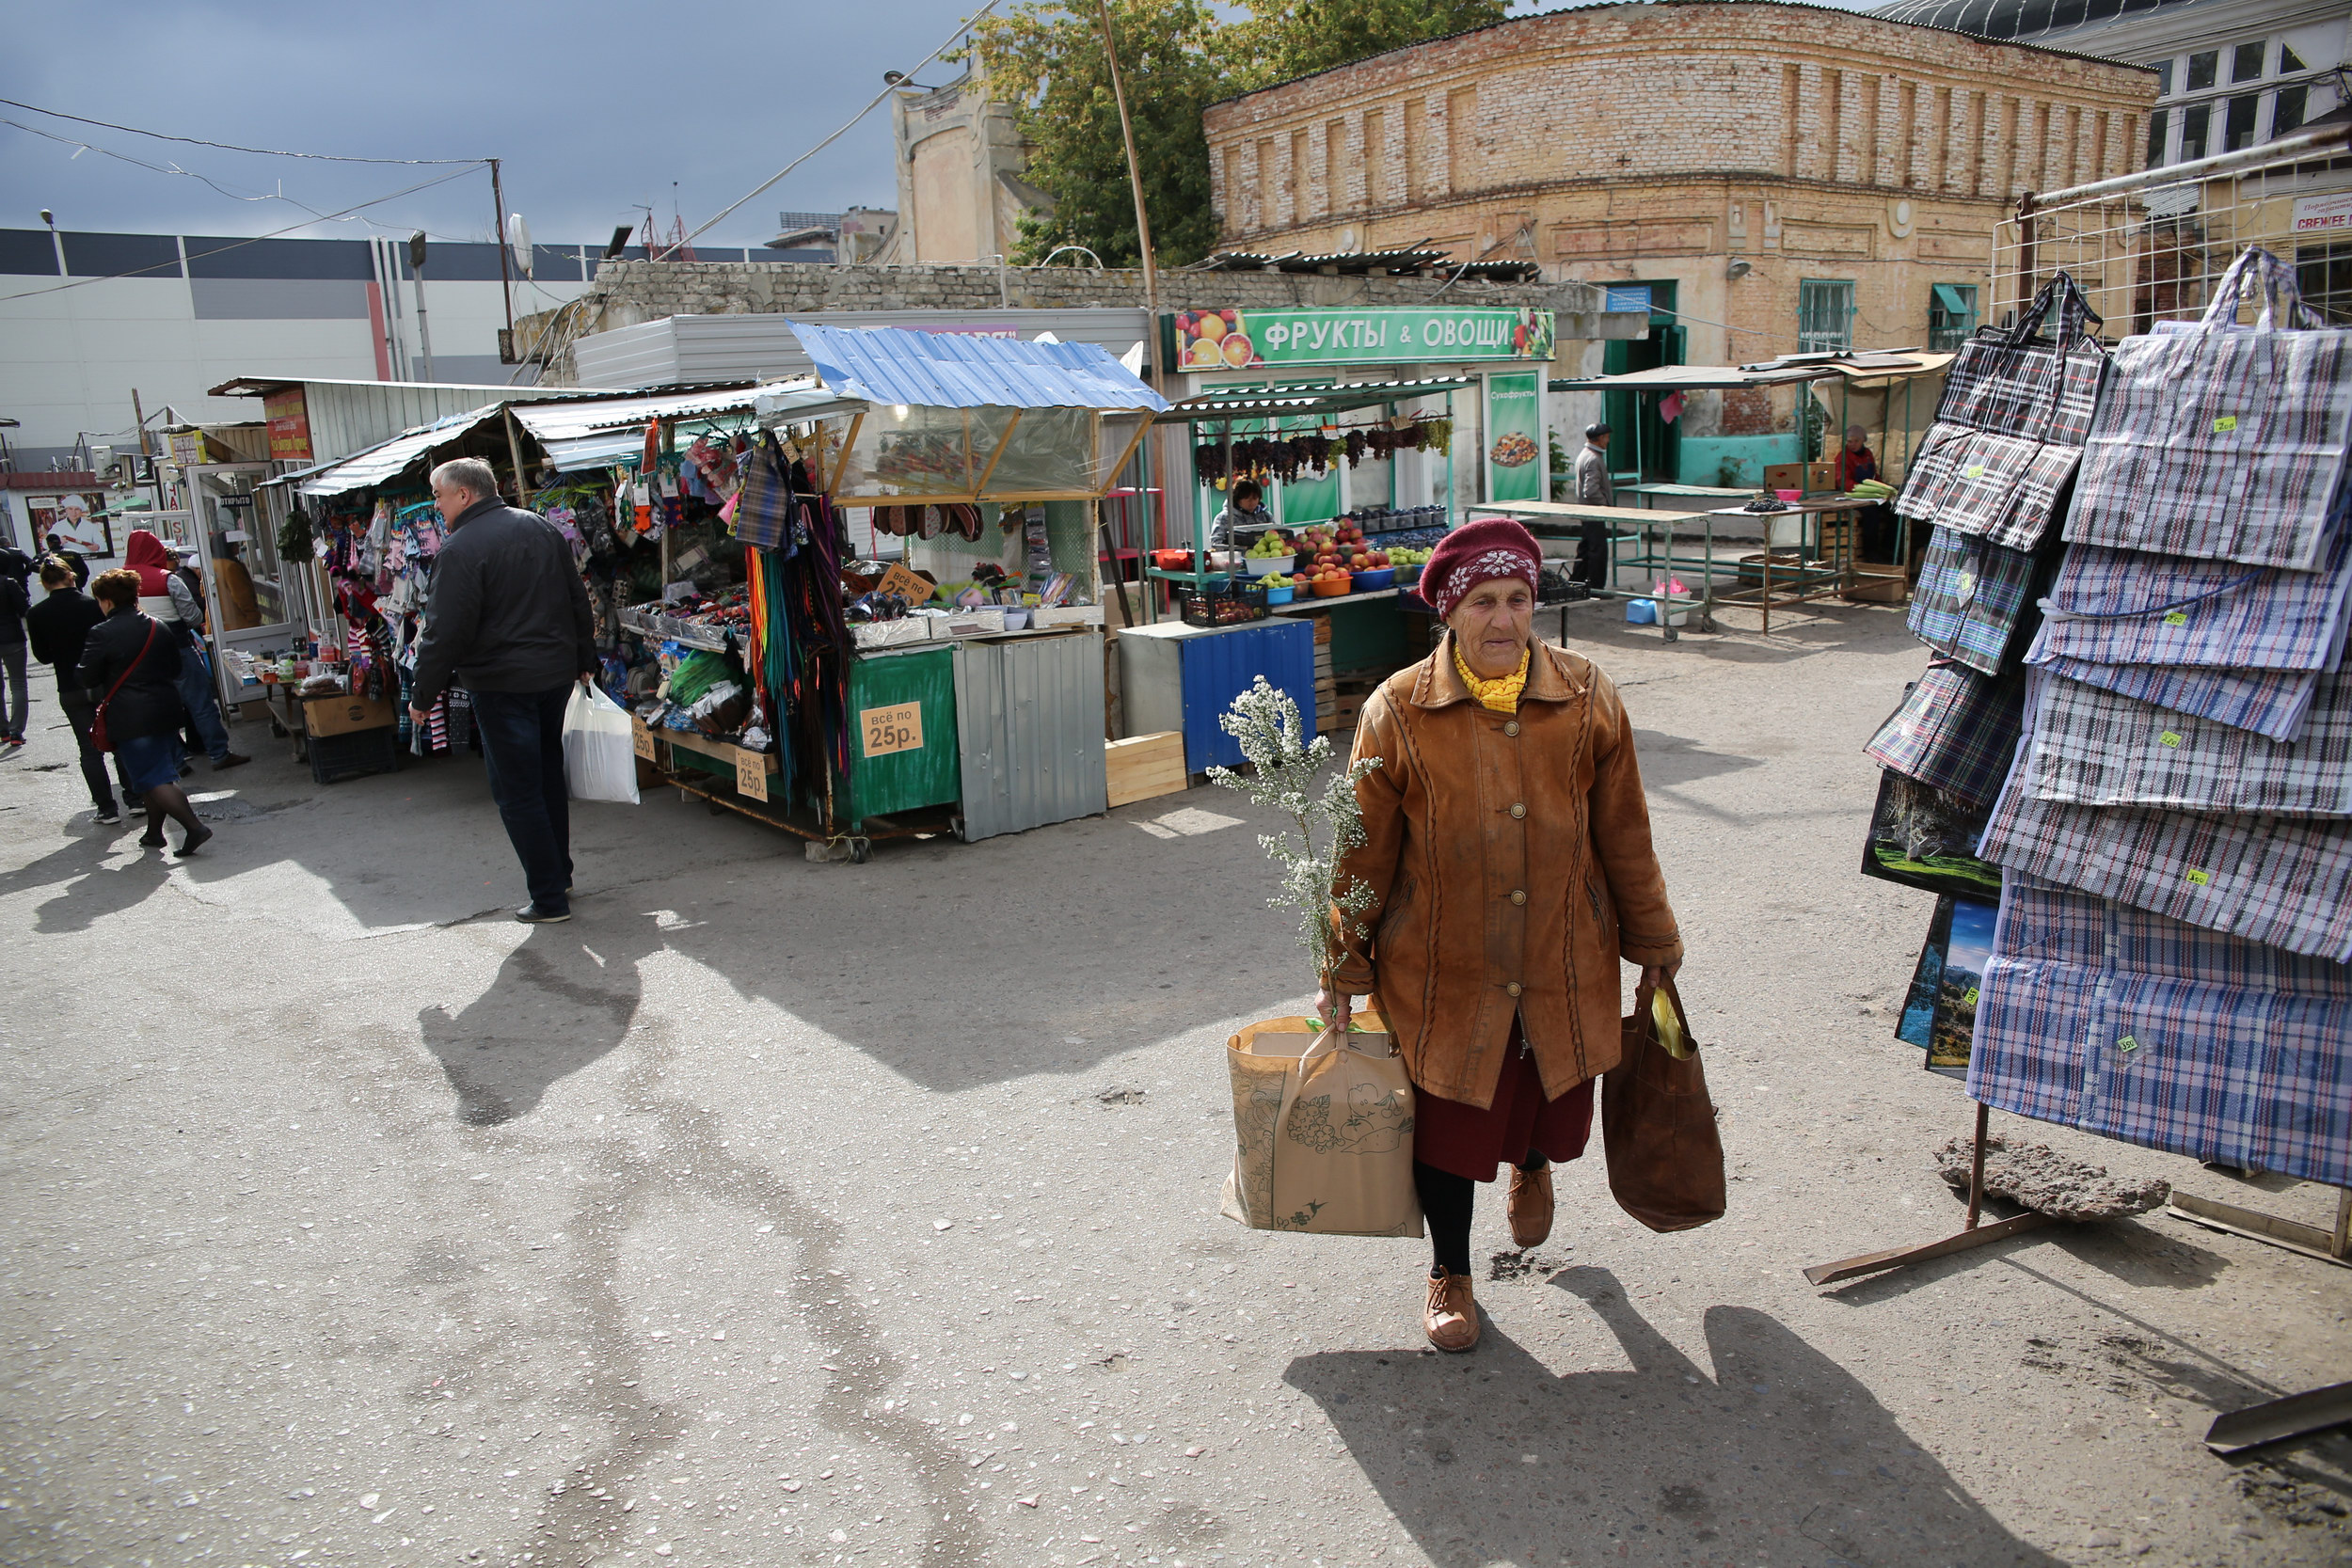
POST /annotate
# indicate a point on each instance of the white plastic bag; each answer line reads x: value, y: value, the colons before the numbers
x: 599, y: 752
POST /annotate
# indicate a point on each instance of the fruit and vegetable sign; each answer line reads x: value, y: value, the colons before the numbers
x: 1237, y: 340
x: 1515, y: 437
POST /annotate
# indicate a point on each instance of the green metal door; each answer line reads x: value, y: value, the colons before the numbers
x: 903, y: 747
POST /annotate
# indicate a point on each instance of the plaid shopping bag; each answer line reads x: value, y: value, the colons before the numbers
x: 2221, y: 442
x: 2096, y: 747
x: 2122, y: 606
x: 1957, y: 730
x: 2004, y: 489
x: 2122, y: 1023
x: 2009, y: 382
x: 2273, y: 704
x: 1973, y: 598
x: 2281, y: 880
x: 763, y: 514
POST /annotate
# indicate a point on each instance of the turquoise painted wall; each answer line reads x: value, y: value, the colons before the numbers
x: 1703, y: 457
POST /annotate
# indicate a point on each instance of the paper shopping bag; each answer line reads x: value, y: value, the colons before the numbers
x: 1322, y: 1129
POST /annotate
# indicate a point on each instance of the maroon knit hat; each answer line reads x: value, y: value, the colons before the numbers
x: 1475, y: 553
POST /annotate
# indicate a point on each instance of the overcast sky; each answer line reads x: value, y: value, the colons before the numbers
x: 599, y: 109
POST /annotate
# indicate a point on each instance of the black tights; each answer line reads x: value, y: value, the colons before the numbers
x: 1445, y: 1203
x: 171, y: 800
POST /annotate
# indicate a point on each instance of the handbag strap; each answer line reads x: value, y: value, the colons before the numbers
x: 2278, y: 286
x: 2073, y: 308
x: 153, y: 625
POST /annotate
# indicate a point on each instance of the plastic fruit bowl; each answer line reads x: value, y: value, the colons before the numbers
x: 1279, y: 596
x: 1331, y: 588
x: 1789, y: 494
x: 1372, y: 581
x: 1173, y: 561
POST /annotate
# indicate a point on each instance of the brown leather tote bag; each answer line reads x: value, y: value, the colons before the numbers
x: 1658, y: 1125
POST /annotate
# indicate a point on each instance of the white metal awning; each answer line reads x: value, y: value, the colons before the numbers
x: 387, y: 459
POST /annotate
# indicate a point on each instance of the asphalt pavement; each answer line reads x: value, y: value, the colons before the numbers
x: 781, y: 1212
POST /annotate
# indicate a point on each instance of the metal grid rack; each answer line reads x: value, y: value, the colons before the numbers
x: 2149, y: 247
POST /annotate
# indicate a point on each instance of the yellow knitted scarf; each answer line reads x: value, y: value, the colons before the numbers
x: 1499, y: 696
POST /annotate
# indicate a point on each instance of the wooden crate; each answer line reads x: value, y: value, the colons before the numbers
x: 1144, y: 765
x: 1877, y: 585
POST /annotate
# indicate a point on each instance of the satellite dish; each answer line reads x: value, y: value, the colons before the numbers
x: 518, y: 239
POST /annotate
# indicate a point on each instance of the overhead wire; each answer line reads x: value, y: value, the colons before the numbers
x: 228, y: 146
x: 961, y: 27
x: 176, y: 169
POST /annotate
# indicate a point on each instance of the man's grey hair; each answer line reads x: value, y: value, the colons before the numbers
x: 471, y: 474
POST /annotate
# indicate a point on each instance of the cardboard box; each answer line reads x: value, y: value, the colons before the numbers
x: 342, y: 715
x: 1144, y: 765
x: 1812, y: 478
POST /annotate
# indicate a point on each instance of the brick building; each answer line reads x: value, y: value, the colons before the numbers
x: 1778, y: 176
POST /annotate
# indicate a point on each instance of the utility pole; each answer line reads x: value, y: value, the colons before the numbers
x: 416, y: 276
x: 497, y: 233
x: 1135, y: 184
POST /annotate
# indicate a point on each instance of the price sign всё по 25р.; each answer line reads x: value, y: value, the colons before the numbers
x: 891, y: 729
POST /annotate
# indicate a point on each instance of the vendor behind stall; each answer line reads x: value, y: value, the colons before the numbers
x: 1246, y: 509
x: 1855, y: 463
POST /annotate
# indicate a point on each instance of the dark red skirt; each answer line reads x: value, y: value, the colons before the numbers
x: 1465, y: 1141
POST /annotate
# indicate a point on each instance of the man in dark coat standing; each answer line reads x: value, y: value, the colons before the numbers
x: 508, y: 617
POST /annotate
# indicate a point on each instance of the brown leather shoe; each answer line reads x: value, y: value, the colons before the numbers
x: 1529, y: 1207
x: 1450, y: 1320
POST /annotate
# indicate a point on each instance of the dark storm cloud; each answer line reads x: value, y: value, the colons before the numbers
x: 598, y: 108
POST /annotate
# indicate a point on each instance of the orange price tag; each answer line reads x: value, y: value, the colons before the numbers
x: 642, y: 736
x: 908, y: 585
x: 751, y: 773
x: 891, y: 729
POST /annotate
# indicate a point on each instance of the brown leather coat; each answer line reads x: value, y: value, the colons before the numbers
x: 1511, y: 858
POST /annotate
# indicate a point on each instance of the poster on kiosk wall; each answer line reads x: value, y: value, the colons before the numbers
x: 1515, y: 437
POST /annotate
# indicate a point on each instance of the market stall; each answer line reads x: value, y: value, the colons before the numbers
x: 1345, y: 574
x: 1810, y: 542
x: 957, y: 688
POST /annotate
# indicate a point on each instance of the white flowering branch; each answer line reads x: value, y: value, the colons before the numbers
x: 1326, y: 821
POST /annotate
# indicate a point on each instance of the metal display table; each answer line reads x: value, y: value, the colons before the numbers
x: 1813, y: 574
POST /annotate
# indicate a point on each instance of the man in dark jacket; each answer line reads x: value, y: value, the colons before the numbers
x: 508, y: 617
x: 58, y: 626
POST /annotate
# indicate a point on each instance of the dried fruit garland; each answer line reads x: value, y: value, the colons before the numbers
x: 1264, y: 457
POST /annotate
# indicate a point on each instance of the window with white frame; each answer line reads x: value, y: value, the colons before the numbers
x: 1824, y: 314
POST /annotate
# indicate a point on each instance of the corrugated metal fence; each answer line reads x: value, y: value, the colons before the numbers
x: 1031, y: 710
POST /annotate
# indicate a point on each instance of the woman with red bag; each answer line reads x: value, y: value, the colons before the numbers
x: 1507, y: 848
x: 130, y: 668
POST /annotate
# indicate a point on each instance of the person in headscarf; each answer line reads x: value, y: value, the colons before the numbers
x: 1506, y: 849
x: 164, y: 598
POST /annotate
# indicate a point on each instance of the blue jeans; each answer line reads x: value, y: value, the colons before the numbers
x: 522, y: 741
x: 203, y: 706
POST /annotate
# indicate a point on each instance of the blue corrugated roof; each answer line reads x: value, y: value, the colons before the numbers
x: 943, y: 369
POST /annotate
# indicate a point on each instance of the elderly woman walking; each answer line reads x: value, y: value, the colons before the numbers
x: 1507, y: 848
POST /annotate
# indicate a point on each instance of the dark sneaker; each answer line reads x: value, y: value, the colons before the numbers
x: 234, y: 759
x: 108, y: 818
x: 539, y: 914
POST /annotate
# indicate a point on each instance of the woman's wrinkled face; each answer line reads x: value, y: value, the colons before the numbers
x: 1490, y: 626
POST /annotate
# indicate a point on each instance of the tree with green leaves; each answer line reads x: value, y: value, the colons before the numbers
x: 1176, y: 57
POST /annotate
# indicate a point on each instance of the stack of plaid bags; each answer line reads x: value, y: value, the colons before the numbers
x: 2173, y: 959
